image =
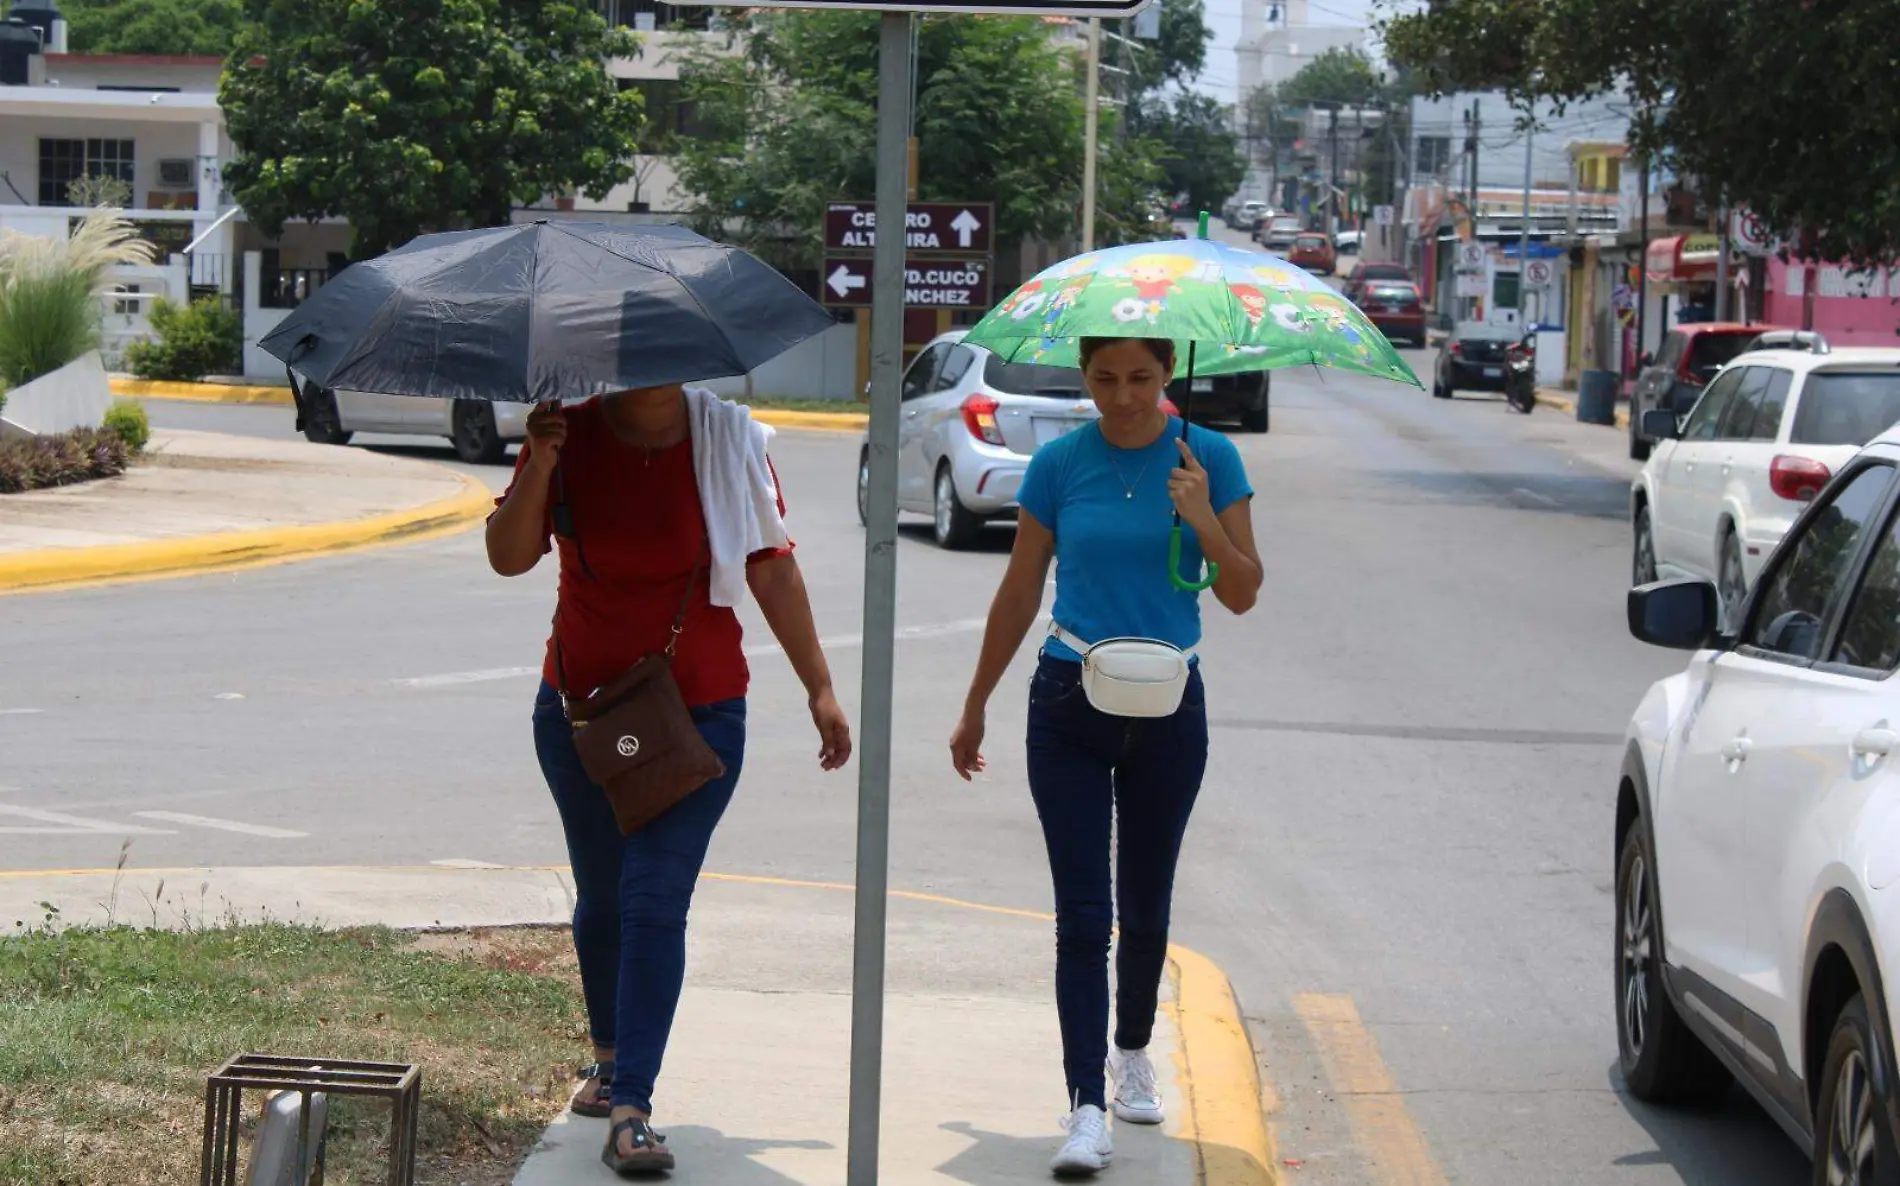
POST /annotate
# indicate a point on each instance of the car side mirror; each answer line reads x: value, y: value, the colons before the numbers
x: 1683, y: 615
x: 1646, y: 359
x: 1659, y: 424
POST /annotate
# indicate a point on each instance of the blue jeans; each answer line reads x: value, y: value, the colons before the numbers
x: 1087, y: 770
x: 631, y: 894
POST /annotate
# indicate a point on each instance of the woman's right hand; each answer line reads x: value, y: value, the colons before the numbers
x: 966, y: 744
x: 547, y: 432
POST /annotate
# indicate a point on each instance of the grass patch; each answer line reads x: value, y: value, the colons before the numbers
x: 107, y: 1035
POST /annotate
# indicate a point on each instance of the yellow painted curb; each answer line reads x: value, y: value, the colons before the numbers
x: 827, y: 421
x: 1564, y: 404
x: 1227, y: 1104
x: 203, y: 393
x: 51, y: 568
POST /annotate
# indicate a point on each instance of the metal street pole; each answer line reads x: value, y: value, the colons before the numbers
x: 1524, y: 233
x: 880, y: 602
x: 1721, y: 264
x: 1088, y: 134
x: 1332, y: 175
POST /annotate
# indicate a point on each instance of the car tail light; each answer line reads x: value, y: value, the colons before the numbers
x: 1797, y: 479
x: 1457, y: 348
x: 979, y: 416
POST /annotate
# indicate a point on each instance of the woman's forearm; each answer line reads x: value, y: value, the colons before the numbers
x: 779, y: 588
x: 1011, y: 616
x: 1238, y: 584
x: 517, y: 531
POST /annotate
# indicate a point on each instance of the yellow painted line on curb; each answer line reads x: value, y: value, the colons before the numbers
x: 1394, y: 1148
x: 822, y: 421
x: 1226, y: 1102
x: 202, y: 393
x: 67, y: 568
x: 1565, y: 404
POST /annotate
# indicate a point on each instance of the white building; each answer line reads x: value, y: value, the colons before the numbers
x: 1278, y: 39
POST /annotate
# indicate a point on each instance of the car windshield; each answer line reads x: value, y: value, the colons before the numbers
x: 1312, y: 241
x: 1709, y: 353
x: 1846, y: 408
x: 1392, y: 292
x: 1030, y: 378
x: 1483, y: 331
x: 1386, y: 272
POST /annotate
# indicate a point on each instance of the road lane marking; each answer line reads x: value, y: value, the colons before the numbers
x: 69, y: 825
x: 222, y: 825
x: 1393, y: 1148
x: 835, y: 643
x: 1534, y: 496
x: 21, y: 712
x: 464, y: 863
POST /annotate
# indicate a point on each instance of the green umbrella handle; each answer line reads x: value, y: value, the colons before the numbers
x: 1174, y: 567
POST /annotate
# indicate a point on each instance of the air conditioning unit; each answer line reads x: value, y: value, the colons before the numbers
x: 175, y: 173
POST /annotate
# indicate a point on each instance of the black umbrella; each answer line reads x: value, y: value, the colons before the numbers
x: 545, y: 310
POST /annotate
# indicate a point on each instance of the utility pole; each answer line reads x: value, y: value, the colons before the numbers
x: 1524, y: 232
x: 1721, y: 262
x: 1089, y: 118
x: 1477, y: 129
x: 1642, y: 267
x: 1332, y: 175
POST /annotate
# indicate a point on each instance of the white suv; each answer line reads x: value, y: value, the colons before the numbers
x: 1769, y: 430
x: 1758, y: 836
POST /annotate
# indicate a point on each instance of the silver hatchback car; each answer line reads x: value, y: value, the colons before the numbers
x: 970, y: 423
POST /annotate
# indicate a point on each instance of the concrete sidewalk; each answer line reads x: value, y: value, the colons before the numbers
x: 198, y: 501
x: 756, y: 1081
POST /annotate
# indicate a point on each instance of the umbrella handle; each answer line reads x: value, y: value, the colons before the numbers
x: 1174, y: 567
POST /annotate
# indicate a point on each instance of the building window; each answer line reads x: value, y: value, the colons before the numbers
x: 670, y: 117
x: 650, y: 14
x: 63, y: 162
x: 1433, y: 156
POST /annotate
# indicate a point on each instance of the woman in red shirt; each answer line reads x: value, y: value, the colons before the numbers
x: 613, y: 481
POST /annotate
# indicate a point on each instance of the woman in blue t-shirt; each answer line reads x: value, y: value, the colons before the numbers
x: 1100, y: 502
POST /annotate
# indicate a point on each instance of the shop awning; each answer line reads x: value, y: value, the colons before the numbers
x: 1682, y: 258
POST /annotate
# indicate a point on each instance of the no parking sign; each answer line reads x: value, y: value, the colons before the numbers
x: 1538, y: 273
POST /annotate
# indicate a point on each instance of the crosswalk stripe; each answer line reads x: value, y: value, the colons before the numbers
x: 70, y: 824
x: 222, y: 825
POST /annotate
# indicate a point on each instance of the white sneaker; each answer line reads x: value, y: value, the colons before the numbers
x: 1137, y: 1099
x: 1089, y: 1146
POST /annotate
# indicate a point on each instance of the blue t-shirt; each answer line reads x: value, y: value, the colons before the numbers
x: 1111, y: 546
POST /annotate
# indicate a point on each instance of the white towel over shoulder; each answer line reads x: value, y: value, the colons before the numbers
x: 736, y: 488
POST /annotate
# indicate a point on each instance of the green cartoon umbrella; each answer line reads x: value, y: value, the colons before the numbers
x: 1235, y: 310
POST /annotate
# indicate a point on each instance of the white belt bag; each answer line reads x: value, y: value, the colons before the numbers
x: 1131, y: 677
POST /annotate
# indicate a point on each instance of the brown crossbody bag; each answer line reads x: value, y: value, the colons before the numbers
x: 635, y: 736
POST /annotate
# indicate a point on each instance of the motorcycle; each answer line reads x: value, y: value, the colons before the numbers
x: 1520, y: 375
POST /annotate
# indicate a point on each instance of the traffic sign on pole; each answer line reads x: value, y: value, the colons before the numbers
x: 928, y: 226
x: 929, y: 283
x: 1538, y: 273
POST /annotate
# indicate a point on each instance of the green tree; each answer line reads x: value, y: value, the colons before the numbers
x: 790, y: 122
x: 423, y: 116
x: 1785, y: 105
x: 1343, y: 77
x: 195, y: 27
x: 1195, y: 144
x: 1176, y: 57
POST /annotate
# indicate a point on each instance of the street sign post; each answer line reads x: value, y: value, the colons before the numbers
x: 928, y: 226
x: 929, y: 283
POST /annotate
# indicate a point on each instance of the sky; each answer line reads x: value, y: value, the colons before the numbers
x: 1223, y: 17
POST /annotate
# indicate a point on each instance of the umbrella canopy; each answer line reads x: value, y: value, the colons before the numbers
x: 1237, y: 310
x: 544, y: 311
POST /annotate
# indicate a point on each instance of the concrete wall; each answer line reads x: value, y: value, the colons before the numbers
x: 259, y: 366
x: 74, y: 396
x: 20, y: 152
x: 91, y: 71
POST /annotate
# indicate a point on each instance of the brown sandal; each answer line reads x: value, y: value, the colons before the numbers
x: 650, y: 1154
x: 598, y: 1102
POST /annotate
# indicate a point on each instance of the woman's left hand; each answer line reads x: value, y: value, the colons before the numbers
x: 1187, y: 486
x: 834, y: 731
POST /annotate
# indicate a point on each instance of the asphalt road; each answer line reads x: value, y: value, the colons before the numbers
x: 1401, y: 856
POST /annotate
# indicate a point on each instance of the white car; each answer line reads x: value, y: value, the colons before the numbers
x: 969, y: 426
x: 1768, y: 431
x: 480, y: 431
x: 1757, y: 898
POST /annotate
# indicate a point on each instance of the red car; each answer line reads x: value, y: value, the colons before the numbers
x: 1689, y: 358
x: 1313, y: 251
x: 1395, y: 308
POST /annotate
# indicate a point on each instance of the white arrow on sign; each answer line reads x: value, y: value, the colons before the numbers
x: 965, y: 224
x: 844, y: 281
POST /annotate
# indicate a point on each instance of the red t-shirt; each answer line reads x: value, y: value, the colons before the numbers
x: 641, y: 526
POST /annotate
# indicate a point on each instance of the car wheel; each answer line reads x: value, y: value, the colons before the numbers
x: 956, y: 525
x: 322, y: 422
x: 1643, y: 550
x: 864, y: 489
x: 1730, y: 582
x: 1661, y: 1060
x: 1855, y: 1144
x: 472, y: 431
x: 1439, y: 390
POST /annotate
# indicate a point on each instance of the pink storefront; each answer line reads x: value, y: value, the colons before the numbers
x: 1848, y: 308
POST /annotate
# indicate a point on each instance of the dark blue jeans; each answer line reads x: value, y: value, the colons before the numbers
x: 1088, y: 771
x: 631, y: 894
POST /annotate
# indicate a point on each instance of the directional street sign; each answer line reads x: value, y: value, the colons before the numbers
x: 930, y: 283
x: 962, y: 227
